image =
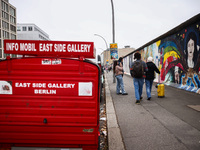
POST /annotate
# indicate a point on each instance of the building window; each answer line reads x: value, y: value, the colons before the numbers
x: 5, y: 25
x: 23, y: 28
x: 18, y: 28
x: 13, y: 36
x: 12, y: 11
x: 12, y: 19
x: 4, y: 6
x: 42, y: 37
x: 5, y: 35
x: 30, y: 28
x: 12, y: 28
x: 5, y: 15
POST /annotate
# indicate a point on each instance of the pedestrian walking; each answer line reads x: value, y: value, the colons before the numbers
x: 137, y: 70
x: 106, y: 69
x: 150, y: 76
x: 119, y: 76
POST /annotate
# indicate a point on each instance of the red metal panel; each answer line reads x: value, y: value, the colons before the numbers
x: 43, y: 103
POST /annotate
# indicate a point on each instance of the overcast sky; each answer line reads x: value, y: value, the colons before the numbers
x: 136, y: 21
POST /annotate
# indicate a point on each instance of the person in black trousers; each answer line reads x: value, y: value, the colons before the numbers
x: 150, y: 76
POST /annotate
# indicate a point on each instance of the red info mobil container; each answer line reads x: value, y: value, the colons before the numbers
x: 50, y: 100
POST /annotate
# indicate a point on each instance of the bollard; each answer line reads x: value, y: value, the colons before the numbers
x: 161, y: 90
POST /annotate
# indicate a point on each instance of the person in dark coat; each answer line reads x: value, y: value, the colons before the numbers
x: 150, y: 76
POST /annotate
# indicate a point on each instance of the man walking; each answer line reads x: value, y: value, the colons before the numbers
x: 138, y: 69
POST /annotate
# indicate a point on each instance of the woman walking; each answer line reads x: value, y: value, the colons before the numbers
x: 119, y: 76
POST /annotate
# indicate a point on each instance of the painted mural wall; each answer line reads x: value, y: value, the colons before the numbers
x: 177, y: 57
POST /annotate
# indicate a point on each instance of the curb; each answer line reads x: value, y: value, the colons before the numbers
x: 115, y: 141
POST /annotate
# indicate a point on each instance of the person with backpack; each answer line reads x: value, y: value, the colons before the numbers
x: 119, y: 76
x: 137, y: 70
x: 150, y: 76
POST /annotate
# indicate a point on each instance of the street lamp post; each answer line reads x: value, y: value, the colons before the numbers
x: 113, y: 24
x: 113, y: 21
x: 103, y: 39
x: 113, y: 29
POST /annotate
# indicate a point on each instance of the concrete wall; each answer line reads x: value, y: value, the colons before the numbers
x: 176, y: 54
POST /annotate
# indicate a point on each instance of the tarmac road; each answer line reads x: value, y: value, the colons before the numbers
x: 160, y: 124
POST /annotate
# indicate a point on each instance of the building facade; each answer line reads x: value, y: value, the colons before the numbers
x: 29, y: 31
x: 7, y: 24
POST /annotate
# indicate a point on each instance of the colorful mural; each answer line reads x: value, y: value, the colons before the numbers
x: 178, y: 58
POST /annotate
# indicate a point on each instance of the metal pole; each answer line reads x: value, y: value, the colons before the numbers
x: 113, y: 21
x: 113, y: 24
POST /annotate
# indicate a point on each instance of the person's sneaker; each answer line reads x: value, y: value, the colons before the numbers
x: 137, y: 102
x: 149, y: 98
x: 124, y: 93
x: 141, y: 98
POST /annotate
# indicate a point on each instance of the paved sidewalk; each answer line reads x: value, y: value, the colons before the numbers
x: 160, y: 124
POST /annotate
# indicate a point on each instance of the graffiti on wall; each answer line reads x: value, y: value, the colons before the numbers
x: 180, y: 59
x: 177, y: 57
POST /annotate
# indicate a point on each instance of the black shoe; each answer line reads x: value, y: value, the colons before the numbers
x: 119, y: 93
x: 137, y: 102
x: 141, y: 98
x: 149, y: 98
x: 124, y: 93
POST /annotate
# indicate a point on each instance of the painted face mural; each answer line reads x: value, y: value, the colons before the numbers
x: 180, y: 65
x: 178, y: 58
x: 191, y: 78
x: 190, y: 47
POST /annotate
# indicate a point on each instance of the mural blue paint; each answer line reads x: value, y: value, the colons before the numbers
x: 178, y: 58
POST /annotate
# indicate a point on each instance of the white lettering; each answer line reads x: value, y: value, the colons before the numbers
x: 27, y: 47
x: 39, y: 85
x: 41, y: 91
x: 60, y: 85
x: 88, y: 48
x: 78, y: 48
x: 17, y: 84
x: 12, y: 46
x: 69, y: 48
x: 60, y: 47
x: 45, y: 47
